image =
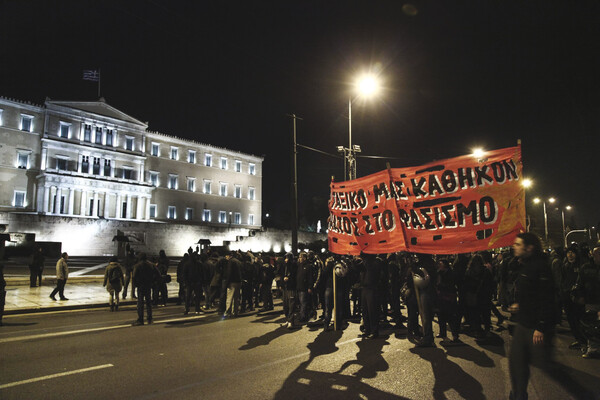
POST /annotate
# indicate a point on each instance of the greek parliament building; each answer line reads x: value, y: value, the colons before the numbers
x: 83, y: 172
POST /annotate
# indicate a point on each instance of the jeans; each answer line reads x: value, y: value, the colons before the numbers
x: 448, y: 315
x: 247, y: 296
x: 33, y: 275
x: 370, y: 310
x: 305, y: 300
x: 60, y: 288
x: 328, y: 306
x: 144, y: 298
x: 192, y: 290
x: 128, y: 274
x: 523, y: 353
x: 233, y: 298
x: 289, y: 302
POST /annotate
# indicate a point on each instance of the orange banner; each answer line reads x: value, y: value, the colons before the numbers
x: 457, y: 205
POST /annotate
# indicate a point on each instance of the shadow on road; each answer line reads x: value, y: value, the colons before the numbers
x: 448, y: 375
x: 265, y: 339
x: 305, y: 383
x: 469, y: 353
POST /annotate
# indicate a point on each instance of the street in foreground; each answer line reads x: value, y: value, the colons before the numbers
x: 98, y: 355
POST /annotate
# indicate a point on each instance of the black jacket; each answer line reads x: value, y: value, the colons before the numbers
x: 288, y: 270
x: 588, y: 283
x: 304, y: 275
x: 370, y: 272
x: 535, y: 294
x: 192, y: 271
x: 233, y: 272
x: 145, y: 274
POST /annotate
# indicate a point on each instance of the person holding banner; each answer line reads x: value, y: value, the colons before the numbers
x: 370, y: 273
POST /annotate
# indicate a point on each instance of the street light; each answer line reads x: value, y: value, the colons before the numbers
x: 568, y: 208
x: 366, y: 86
x: 551, y: 200
x: 527, y: 183
x: 478, y: 152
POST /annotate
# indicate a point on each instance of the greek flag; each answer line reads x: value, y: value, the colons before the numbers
x: 91, y: 75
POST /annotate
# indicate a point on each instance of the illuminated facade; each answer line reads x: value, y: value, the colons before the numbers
x: 90, y: 160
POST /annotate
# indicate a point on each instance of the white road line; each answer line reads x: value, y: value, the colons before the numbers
x: 88, y: 269
x: 43, y: 378
x: 54, y: 334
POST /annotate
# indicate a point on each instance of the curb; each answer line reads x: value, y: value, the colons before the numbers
x: 51, y: 280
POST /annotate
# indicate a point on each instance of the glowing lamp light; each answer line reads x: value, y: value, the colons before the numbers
x: 537, y: 200
x: 478, y: 152
x: 568, y: 207
x: 277, y: 248
x: 527, y: 183
x: 323, y: 250
x: 551, y: 200
x: 367, y: 85
x: 287, y: 247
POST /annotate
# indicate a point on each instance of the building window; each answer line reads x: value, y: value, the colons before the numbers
x: 129, y: 143
x: 19, y: 199
x: 208, y: 160
x: 85, y: 164
x: 252, y: 169
x: 152, y: 210
x: 172, y: 181
x: 207, y: 187
x: 26, y: 122
x: 127, y: 173
x: 174, y: 153
x: 171, y: 212
x: 87, y: 133
x: 237, y: 192
x: 155, y: 150
x: 107, y: 168
x: 222, y: 217
x: 250, y: 219
x: 192, y: 157
x: 189, y: 214
x: 23, y: 160
x: 238, y: 166
x: 64, y: 129
x: 251, y: 192
x: 223, y: 189
x: 223, y: 163
x: 96, y: 166
x: 191, y: 185
x: 154, y: 178
x: 237, y: 218
x: 206, y: 216
x: 109, y: 137
x: 98, y: 135
x: 61, y: 163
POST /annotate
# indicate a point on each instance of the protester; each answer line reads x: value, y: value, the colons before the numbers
x: 36, y: 267
x: 233, y: 283
x: 304, y: 285
x: 267, y: 274
x: 113, y: 280
x: 573, y: 310
x: 161, y: 285
x: 129, y: 263
x: 62, y: 274
x: 145, y: 274
x: 180, y: 280
x: 192, y: 281
x: 287, y: 276
x: 325, y: 284
x: 248, y: 279
x: 588, y: 292
x: 446, y: 301
x: 478, y: 295
x: 369, y: 266
x: 534, y: 306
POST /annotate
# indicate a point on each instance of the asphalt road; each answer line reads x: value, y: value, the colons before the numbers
x: 97, y: 355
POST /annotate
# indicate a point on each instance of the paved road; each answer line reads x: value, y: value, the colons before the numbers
x: 98, y: 355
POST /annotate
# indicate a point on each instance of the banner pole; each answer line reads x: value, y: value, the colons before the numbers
x: 335, y: 316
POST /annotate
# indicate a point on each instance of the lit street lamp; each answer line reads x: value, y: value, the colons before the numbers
x: 568, y: 208
x: 367, y: 86
x: 551, y: 200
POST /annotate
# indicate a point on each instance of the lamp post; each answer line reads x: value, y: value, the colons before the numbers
x: 366, y: 86
x: 527, y: 183
x: 551, y: 200
x: 568, y: 208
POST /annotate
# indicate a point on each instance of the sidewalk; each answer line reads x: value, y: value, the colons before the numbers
x: 84, y: 292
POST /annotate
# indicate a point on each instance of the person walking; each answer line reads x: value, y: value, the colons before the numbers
x: 129, y: 263
x: 180, y: 279
x: 192, y: 281
x: 370, y: 269
x: 163, y: 269
x: 144, y: 276
x: 588, y: 284
x: 37, y: 267
x: 535, y: 314
x: 447, y: 301
x: 114, y: 282
x: 573, y: 310
x: 62, y: 274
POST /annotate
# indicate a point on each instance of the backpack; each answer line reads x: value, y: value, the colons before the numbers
x: 115, y: 275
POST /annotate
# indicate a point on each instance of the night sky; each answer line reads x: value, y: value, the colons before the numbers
x: 457, y: 75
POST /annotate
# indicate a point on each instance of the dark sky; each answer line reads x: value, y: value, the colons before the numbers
x: 457, y: 75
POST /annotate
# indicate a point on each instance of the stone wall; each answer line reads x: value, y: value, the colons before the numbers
x: 94, y: 237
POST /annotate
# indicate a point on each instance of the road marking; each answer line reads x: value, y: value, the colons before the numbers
x: 43, y: 378
x: 55, y: 334
x: 88, y: 269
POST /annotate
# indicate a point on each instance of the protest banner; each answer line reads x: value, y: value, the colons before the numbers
x: 456, y: 205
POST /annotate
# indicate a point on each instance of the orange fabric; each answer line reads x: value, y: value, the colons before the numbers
x: 457, y: 205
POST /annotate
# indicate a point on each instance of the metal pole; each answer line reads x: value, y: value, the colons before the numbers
x: 564, y: 230
x: 335, y: 316
x: 351, y: 174
x: 545, y: 221
x: 294, y: 191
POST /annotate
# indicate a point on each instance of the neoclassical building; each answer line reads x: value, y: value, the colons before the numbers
x: 89, y: 160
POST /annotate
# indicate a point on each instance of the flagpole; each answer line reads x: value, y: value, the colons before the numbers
x: 99, y: 77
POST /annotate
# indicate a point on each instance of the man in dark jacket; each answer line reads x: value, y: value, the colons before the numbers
x: 532, y: 338
x: 129, y: 263
x: 573, y: 310
x: 233, y: 282
x: 325, y: 285
x: 287, y: 276
x: 180, y: 278
x: 370, y: 275
x: 267, y: 274
x: 145, y: 275
x: 192, y: 281
x: 304, y: 285
x: 588, y: 284
x: 36, y: 267
x: 248, y: 279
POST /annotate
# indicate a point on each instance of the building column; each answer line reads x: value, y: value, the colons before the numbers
x: 147, y: 216
x: 128, y: 215
x: 57, y: 200
x: 83, y: 206
x: 46, y: 205
x: 106, y: 201
x: 140, y: 209
x: 119, y: 206
x: 95, y: 205
x: 71, y: 200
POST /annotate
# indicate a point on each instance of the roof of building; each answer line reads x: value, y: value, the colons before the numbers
x: 99, y: 107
